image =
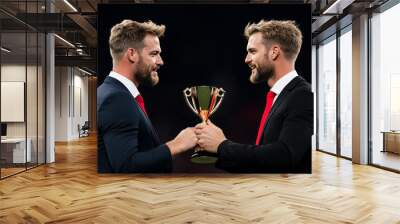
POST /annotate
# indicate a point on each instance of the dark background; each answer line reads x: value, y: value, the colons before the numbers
x: 204, y: 45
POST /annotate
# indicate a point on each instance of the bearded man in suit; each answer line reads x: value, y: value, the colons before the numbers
x: 127, y: 141
x: 283, y: 143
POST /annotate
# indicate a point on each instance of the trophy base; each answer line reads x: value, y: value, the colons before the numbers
x: 203, y: 158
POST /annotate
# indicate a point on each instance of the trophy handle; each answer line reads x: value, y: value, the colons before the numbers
x: 218, y: 94
x: 188, y: 93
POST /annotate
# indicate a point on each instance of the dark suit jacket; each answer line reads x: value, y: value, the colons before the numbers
x: 127, y: 141
x: 285, y: 146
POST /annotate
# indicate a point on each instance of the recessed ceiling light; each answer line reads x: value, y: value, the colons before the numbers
x: 5, y: 50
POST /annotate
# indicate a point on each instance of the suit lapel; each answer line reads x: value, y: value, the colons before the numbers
x: 282, y: 96
x: 149, y: 124
x: 146, y: 119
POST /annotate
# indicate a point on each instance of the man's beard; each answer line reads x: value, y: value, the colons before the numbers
x: 144, y: 74
x: 262, y: 74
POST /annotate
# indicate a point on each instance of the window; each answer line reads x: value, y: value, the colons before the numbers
x: 346, y: 92
x: 327, y: 95
x: 385, y: 89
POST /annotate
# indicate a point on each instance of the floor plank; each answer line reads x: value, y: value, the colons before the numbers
x: 71, y: 191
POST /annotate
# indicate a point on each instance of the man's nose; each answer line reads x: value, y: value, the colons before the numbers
x: 160, y: 61
x: 247, y: 60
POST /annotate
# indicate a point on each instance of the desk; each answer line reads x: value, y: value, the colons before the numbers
x: 391, y: 141
x: 15, y: 148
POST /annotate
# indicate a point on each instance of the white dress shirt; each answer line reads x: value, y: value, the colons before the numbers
x: 126, y: 82
x: 282, y: 83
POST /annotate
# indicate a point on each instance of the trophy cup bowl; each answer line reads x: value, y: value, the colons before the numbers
x: 203, y: 101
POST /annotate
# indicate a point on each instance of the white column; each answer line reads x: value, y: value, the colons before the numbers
x: 314, y: 90
x: 360, y: 90
x: 50, y: 93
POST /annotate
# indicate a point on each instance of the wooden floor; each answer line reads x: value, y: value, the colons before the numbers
x: 387, y: 159
x: 5, y: 172
x: 70, y: 191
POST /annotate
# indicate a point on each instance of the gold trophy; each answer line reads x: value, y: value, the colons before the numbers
x: 203, y: 101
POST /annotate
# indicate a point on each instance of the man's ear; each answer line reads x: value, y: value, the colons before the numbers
x: 132, y: 55
x: 275, y: 52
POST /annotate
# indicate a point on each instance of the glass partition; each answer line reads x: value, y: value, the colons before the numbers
x: 327, y: 95
x: 22, y: 87
x: 385, y: 89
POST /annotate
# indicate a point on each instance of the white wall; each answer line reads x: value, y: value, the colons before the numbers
x: 71, y: 101
x: 33, y: 126
x: 61, y: 103
x: 17, y: 73
x: 14, y: 72
x: 80, y: 110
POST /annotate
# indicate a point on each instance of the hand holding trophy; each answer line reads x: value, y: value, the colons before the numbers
x: 203, y: 101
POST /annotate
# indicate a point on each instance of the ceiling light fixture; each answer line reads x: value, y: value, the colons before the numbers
x: 70, y: 5
x: 84, y: 71
x: 337, y: 7
x: 64, y: 40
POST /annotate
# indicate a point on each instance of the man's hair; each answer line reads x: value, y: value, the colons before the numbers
x: 285, y: 33
x: 130, y: 33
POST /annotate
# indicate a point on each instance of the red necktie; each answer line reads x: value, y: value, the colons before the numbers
x: 270, y: 99
x: 140, y: 101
